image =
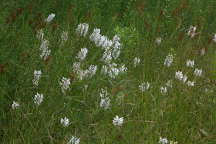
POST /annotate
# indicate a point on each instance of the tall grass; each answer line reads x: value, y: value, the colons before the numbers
x: 184, y: 114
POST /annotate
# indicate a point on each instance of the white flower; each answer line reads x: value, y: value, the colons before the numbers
x: 40, y: 34
x: 65, y: 84
x: 92, y: 70
x: 95, y: 36
x: 192, y: 31
x: 144, y: 86
x: 37, y: 75
x: 198, y: 72
x: 118, y: 121
x: 82, y: 29
x: 44, y: 48
x: 64, y: 36
x: 163, y: 140
x: 82, y: 54
x: 50, y: 17
x: 190, y: 63
x: 214, y: 39
x: 76, y: 67
x: 163, y: 90
x: 136, y: 61
x: 74, y: 140
x: 65, y: 122
x: 15, y: 105
x: 38, y: 99
x: 190, y: 83
x: 168, y: 60
x: 158, y: 40
x: 179, y: 75
x: 169, y: 83
x: 105, y: 103
x: 184, y: 78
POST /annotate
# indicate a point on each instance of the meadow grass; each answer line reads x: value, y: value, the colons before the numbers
x: 184, y: 114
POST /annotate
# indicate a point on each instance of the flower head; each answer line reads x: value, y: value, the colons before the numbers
x: 65, y: 84
x: 144, y: 86
x: 118, y: 121
x: 158, y: 40
x: 38, y: 99
x: 136, y: 61
x: 37, y: 75
x: 168, y: 60
x: 198, y: 72
x: 82, y: 54
x: 82, y: 29
x: 65, y: 122
x: 190, y: 63
x: 50, y: 17
x: 163, y: 140
x: 74, y: 140
x: 15, y: 105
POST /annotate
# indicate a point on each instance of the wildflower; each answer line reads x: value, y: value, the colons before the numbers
x: 144, y: 86
x: 40, y: 34
x: 118, y: 121
x: 190, y: 63
x: 169, y: 83
x: 190, y: 83
x: 65, y: 122
x: 198, y: 72
x: 64, y: 36
x: 192, y: 31
x: 163, y: 141
x: 184, y: 78
x: 158, y: 40
x: 15, y: 105
x: 82, y: 29
x: 50, y: 18
x: 74, y: 140
x: 107, y: 56
x: 105, y: 103
x: 92, y: 70
x: 44, y: 48
x: 76, y: 67
x: 37, y: 75
x: 179, y: 75
x: 65, y: 84
x: 82, y: 54
x: 163, y: 90
x: 38, y: 99
x: 168, y: 60
x: 136, y: 61
x: 214, y: 38
x: 95, y: 36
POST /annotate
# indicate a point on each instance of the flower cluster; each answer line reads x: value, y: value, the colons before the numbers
x: 82, y: 29
x: 15, y: 105
x: 37, y: 75
x: 192, y: 31
x: 74, y: 140
x: 118, y: 121
x: 65, y: 84
x: 168, y: 60
x: 65, y: 122
x: 144, y: 86
x: 105, y: 100
x: 38, y: 99
x: 45, y: 51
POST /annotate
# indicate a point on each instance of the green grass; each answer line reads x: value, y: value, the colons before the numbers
x: 185, y: 114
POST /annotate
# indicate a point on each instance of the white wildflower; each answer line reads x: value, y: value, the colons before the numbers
x: 198, y: 72
x: 82, y: 54
x: 15, y: 105
x: 92, y: 70
x: 105, y: 103
x: 65, y: 84
x: 45, y: 50
x: 144, y: 86
x: 163, y: 140
x: 50, y: 17
x: 158, y: 40
x: 184, y: 78
x: 40, y: 34
x: 136, y: 61
x: 74, y: 140
x: 169, y: 83
x: 82, y: 29
x: 95, y: 36
x: 190, y: 63
x: 65, y: 122
x: 168, y: 60
x: 118, y: 121
x: 192, y: 31
x: 38, y: 99
x: 163, y: 90
x: 37, y: 75
x: 179, y: 75
x: 190, y: 83
x: 76, y: 67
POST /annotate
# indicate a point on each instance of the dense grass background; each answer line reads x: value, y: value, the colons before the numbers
x: 186, y: 115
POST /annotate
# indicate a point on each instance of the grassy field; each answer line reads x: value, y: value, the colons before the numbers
x: 153, y: 65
